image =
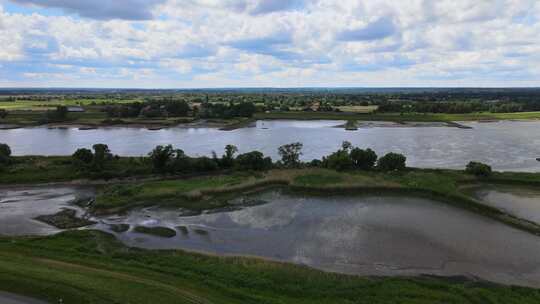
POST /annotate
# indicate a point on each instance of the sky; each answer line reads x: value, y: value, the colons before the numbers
x: 269, y: 43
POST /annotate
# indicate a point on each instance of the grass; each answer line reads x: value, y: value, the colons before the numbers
x: 45, y: 169
x: 35, y: 105
x: 164, y: 192
x: 358, y: 109
x: 92, y: 267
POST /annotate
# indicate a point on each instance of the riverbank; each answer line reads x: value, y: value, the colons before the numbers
x: 92, y: 120
x: 398, y: 117
x: 92, y: 267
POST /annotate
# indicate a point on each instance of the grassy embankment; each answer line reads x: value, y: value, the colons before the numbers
x: 43, y: 169
x: 212, y: 192
x: 397, y: 117
x: 92, y: 267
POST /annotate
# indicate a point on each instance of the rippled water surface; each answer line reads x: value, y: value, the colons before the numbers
x: 506, y: 145
x: 522, y: 202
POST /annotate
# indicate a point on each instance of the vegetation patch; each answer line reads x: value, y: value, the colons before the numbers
x: 318, y: 179
x: 157, y: 231
x: 65, y: 219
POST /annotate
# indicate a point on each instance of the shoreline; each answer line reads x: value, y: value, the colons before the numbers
x: 359, y: 123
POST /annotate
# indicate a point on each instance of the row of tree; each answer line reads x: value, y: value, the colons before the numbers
x: 180, y: 108
x: 167, y: 159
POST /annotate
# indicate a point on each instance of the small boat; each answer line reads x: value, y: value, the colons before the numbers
x: 538, y: 158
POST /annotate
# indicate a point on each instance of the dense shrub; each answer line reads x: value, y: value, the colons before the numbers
x: 253, y: 161
x: 5, y: 154
x: 478, y: 169
x: 83, y: 156
x: 339, y: 160
x: 203, y: 164
x: 392, y: 162
x: 363, y: 159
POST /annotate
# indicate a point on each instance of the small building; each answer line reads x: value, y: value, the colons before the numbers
x: 75, y: 109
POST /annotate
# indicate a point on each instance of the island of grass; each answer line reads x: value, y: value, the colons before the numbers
x: 65, y: 219
x: 156, y: 231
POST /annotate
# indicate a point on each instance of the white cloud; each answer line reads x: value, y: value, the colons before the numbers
x: 272, y: 43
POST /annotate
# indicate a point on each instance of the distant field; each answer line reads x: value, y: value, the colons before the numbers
x: 34, y: 105
x: 358, y: 109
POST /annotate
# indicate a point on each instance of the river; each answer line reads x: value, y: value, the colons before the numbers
x: 505, y: 145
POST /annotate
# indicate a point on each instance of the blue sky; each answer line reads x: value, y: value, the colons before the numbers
x: 269, y: 43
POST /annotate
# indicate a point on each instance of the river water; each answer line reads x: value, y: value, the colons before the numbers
x: 523, y: 202
x: 505, y: 145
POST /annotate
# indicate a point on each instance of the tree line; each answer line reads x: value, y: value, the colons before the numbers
x: 165, y: 159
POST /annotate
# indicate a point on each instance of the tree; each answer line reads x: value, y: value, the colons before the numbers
x: 478, y: 169
x: 254, y: 160
x: 83, y: 156
x: 161, y: 156
x: 339, y: 160
x: 177, y: 108
x: 227, y: 160
x: 392, y: 162
x: 5, y: 154
x: 61, y: 112
x: 346, y: 146
x: 363, y: 159
x: 290, y: 154
x: 101, y: 155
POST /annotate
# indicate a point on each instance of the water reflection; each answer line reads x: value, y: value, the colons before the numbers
x: 522, y: 202
x: 356, y: 235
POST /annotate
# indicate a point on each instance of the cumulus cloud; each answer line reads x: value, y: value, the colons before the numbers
x: 101, y: 9
x: 208, y: 43
x: 379, y: 29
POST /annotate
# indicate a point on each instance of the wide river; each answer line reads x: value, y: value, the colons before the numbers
x: 364, y: 235
x: 505, y: 145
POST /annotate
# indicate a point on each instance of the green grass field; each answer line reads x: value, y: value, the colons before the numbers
x: 92, y: 267
x: 33, y: 105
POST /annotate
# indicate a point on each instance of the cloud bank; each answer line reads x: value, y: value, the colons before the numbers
x: 235, y: 43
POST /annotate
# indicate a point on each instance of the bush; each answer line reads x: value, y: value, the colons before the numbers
x: 253, y: 161
x: 478, y: 169
x: 5, y: 154
x: 84, y: 156
x: 392, y: 162
x: 363, y: 159
x: 204, y: 164
x: 339, y: 161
